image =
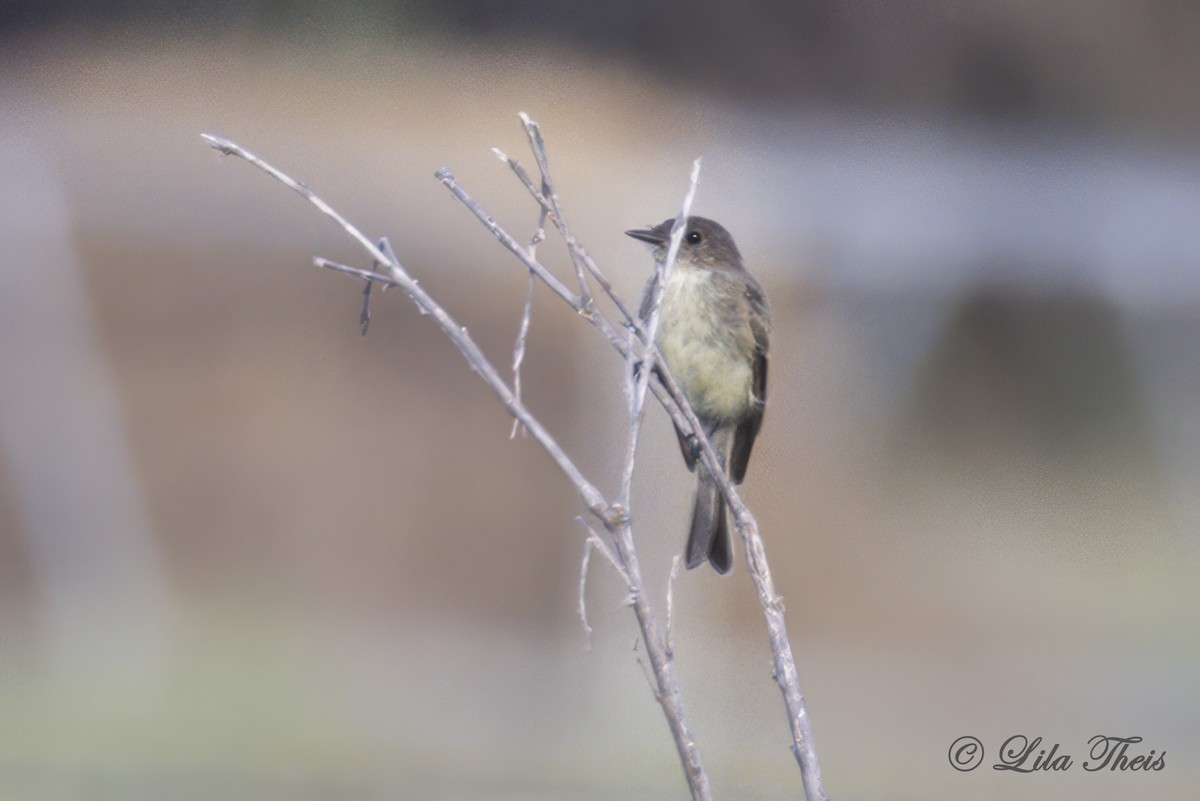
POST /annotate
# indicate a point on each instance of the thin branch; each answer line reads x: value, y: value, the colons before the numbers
x: 519, y: 348
x: 786, y: 675
x: 364, y: 317
x: 782, y: 658
x: 458, y: 334
x: 667, y: 392
x: 588, y: 546
x: 637, y: 401
x: 385, y: 245
x: 649, y: 674
x: 604, y: 548
x: 533, y: 265
x: 357, y: 272
x: 534, y: 133
x: 539, y: 235
x: 577, y: 250
x: 675, y: 562
x: 228, y: 147
x: 667, y: 685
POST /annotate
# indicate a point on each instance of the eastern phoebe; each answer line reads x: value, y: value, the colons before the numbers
x: 712, y: 331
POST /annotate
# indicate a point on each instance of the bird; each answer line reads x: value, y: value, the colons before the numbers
x: 713, y: 333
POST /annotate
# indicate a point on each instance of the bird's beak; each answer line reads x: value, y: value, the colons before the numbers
x: 651, y: 235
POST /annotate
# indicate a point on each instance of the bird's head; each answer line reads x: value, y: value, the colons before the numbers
x: 705, y: 244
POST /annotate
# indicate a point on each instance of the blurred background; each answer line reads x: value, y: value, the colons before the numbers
x: 247, y: 553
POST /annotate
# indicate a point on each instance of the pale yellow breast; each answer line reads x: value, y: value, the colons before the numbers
x: 709, y: 355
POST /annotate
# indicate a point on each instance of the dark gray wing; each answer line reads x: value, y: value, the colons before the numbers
x: 747, y: 430
x: 644, y: 309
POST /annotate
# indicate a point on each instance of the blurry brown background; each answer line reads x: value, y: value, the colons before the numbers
x: 247, y: 553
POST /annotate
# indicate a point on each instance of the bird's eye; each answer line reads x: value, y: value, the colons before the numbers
x: 694, y: 237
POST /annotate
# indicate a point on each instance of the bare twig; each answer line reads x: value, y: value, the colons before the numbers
x: 534, y: 134
x: 667, y: 393
x: 645, y: 669
x: 385, y: 245
x: 364, y: 317
x: 640, y: 383
x: 397, y: 275
x: 229, y: 148
x: 533, y: 265
x: 669, y: 396
x: 784, y: 662
x: 577, y: 250
x: 539, y: 235
x: 588, y: 546
x: 519, y: 347
x: 605, y: 549
x: 675, y: 562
